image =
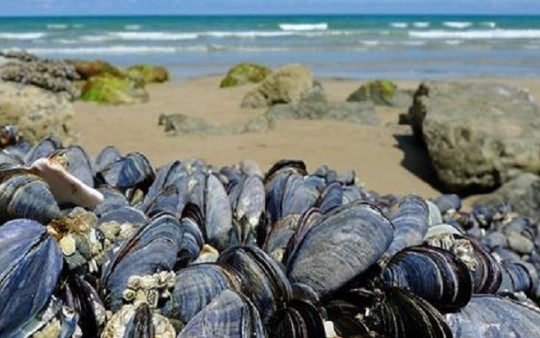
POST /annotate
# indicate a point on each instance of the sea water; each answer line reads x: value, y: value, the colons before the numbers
x: 351, y: 46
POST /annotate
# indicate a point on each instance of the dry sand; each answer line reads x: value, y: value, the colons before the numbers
x: 386, y: 158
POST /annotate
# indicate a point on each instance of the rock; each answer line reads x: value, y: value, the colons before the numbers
x: 382, y: 93
x: 178, y: 124
x: 148, y: 74
x: 54, y: 76
x: 22, y: 56
x: 257, y: 124
x: 315, y: 106
x: 287, y: 84
x: 522, y: 193
x: 36, y: 112
x: 478, y: 136
x: 245, y: 73
x: 88, y: 69
x: 114, y: 90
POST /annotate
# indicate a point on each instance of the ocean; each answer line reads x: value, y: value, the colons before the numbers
x: 349, y: 46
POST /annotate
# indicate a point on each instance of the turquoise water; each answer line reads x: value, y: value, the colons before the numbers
x: 344, y: 46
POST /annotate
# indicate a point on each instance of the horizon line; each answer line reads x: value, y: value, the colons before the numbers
x: 196, y: 14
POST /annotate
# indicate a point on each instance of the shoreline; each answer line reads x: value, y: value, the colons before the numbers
x: 386, y: 158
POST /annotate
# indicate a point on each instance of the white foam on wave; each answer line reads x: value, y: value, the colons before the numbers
x: 246, y: 34
x: 453, y: 42
x: 320, y: 26
x: 57, y: 26
x: 490, y: 24
x: 22, y: 36
x: 155, y: 36
x: 371, y: 43
x: 457, y: 24
x: 111, y: 50
x: 399, y: 24
x: 421, y: 24
x: 132, y: 27
x: 478, y: 34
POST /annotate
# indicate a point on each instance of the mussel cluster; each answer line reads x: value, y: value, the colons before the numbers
x: 114, y: 247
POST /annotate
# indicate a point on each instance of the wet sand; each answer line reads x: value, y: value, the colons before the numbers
x: 386, y: 157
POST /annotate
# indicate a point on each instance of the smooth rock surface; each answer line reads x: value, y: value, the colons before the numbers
x: 478, y: 135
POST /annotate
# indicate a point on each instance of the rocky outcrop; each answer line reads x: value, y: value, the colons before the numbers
x: 382, y: 93
x: 36, y: 112
x: 478, y: 135
x: 180, y: 124
x: 244, y: 73
x: 114, y: 90
x: 148, y: 73
x: 315, y: 106
x: 522, y: 193
x: 54, y: 76
x: 288, y: 84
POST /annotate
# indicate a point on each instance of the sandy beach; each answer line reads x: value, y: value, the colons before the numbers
x: 386, y: 158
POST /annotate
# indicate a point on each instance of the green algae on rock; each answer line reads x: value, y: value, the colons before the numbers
x: 382, y: 93
x: 288, y: 84
x: 244, y: 73
x: 114, y: 90
x: 148, y: 73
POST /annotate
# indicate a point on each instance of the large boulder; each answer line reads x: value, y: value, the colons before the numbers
x: 148, y: 73
x: 37, y: 113
x: 288, y: 84
x: 478, y: 135
x: 90, y: 68
x: 522, y: 193
x: 114, y: 90
x: 382, y: 93
x: 244, y: 73
x: 315, y: 106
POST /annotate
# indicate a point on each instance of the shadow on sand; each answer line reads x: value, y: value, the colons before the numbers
x: 417, y: 160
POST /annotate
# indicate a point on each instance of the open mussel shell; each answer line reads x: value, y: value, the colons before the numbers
x: 228, y: 315
x: 436, y: 275
x: 494, y: 317
x: 30, y: 264
x: 261, y: 279
x: 24, y: 195
x: 338, y: 247
x: 390, y: 313
x: 410, y: 218
x: 195, y: 287
x: 153, y: 248
x: 301, y: 319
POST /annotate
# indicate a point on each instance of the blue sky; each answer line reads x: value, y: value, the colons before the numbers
x: 99, y: 7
